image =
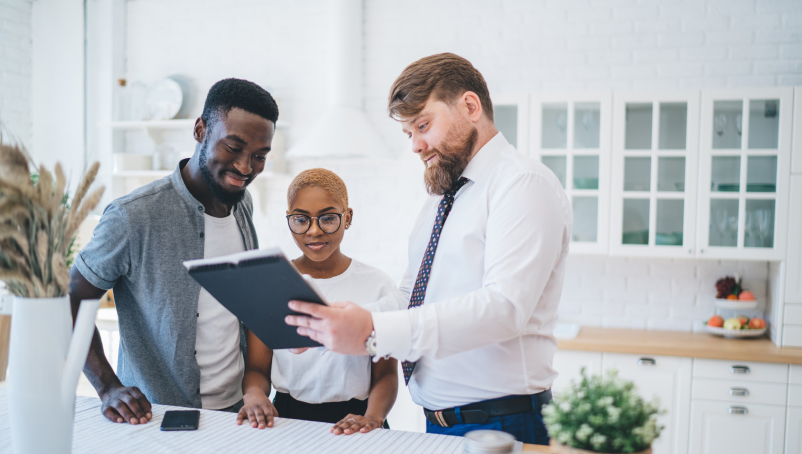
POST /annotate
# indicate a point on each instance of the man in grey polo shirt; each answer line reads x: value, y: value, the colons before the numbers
x: 178, y: 345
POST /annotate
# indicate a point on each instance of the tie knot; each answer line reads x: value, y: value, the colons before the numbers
x: 456, y: 186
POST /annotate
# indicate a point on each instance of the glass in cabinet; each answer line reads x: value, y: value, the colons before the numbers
x: 743, y: 173
x: 570, y: 134
x: 511, y: 116
x: 653, y: 194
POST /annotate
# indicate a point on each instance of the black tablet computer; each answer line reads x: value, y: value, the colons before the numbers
x: 256, y: 287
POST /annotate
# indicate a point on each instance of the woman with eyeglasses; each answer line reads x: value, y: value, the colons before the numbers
x: 318, y: 385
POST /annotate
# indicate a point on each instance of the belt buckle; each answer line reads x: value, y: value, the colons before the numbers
x: 441, y: 420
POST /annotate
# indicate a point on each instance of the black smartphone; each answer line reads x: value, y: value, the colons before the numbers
x: 181, y: 420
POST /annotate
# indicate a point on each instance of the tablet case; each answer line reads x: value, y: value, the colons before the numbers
x: 257, y: 291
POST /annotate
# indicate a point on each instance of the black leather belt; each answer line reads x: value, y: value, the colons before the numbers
x: 479, y: 412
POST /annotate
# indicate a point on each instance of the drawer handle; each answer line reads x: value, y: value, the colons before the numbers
x: 647, y: 362
x: 739, y: 392
x: 739, y: 370
x: 738, y: 410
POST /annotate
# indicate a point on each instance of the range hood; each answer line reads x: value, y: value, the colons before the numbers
x: 344, y: 130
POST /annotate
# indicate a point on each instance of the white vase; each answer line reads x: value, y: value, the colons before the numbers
x: 45, y: 360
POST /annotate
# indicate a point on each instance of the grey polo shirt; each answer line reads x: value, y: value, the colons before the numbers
x: 138, y: 249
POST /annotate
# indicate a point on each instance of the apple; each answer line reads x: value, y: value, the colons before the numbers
x: 757, y: 323
x: 744, y: 320
x: 716, y: 321
x: 746, y: 295
x: 732, y: 323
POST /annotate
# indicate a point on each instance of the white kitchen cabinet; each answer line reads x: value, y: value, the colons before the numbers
x: 569, y: 364
x: 750, y: 371
x: 793, y: 430
x: 654, y: 173
x: 793, y: 276
x: 511, y: 116
x: 667, y: 378
x: 795, y: 375
x: 796, y: 158
x: 744, y: 170
x: 571, y: 134
x: 730, y: 428
x: 792, y: 314
x: 739, y: 391
x: 792, y: 336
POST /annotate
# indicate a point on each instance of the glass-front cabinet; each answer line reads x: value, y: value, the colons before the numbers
x: 511, y: 116
x: 571, y: 134
x: 745, y: 150
x: 653, y: 193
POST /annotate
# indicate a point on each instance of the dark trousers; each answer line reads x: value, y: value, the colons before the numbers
x: 331, y: 412
x: 525, y: 427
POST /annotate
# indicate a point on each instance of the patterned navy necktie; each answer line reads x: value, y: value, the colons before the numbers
x: 419, y: 292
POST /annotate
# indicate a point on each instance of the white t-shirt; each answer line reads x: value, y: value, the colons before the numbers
x: 318, y: 375
x: 217, y: 337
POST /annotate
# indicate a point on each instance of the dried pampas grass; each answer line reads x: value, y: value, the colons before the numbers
x: 36, y: 228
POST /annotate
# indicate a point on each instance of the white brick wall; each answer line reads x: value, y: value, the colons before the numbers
x: 15, y: 69
x: 650, y: 293
x: 520, y: 46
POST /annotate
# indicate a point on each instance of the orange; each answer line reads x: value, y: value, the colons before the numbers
x: 732, y: 297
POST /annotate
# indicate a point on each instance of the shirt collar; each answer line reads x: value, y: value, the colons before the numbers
x: 178, y: 183
x: 181, y: 187
x: 485, y: 157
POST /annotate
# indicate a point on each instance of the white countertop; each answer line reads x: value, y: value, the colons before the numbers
x: 218, y: 432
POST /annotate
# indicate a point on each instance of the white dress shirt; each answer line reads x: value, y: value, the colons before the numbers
x: 318, y: 375
x: 485, y: 329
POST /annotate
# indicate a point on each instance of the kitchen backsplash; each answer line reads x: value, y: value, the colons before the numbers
x: 650, y: 293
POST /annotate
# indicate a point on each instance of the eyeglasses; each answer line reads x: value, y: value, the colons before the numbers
x: 301, y: 223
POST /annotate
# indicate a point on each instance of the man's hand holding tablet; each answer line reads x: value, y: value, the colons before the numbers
x: 340, y: 327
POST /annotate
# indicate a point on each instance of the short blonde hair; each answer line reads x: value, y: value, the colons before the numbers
x: 321, y: 178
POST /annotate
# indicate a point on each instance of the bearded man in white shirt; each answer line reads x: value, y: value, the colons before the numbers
x: 473, y: 318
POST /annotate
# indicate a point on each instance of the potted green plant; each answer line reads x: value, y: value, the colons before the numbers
x: 46, y: 354
x: 602, y: 414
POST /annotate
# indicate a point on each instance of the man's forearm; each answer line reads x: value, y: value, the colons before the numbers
x: 97, y: 368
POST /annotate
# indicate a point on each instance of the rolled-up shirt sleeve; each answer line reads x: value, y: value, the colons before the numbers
x: 526, y: 233
x: 107, y: 257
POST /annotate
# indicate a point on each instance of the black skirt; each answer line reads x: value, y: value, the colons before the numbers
x: 331, y: 412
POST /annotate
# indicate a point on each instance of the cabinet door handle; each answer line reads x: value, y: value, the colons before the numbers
x: 738, y: 410
x: 743, y: 392
x: 647, y: 362
x: 739, y: 370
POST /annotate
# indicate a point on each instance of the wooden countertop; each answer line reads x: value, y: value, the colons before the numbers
x: 674, y: 343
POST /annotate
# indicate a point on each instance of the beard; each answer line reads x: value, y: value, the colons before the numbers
x: 453, y: 155
x: 220, y: 193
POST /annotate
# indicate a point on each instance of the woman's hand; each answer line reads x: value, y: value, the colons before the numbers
x: 257, y: 409
x: 355, y: 423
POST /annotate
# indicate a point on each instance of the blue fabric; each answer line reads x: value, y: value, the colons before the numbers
x: 525, y: 427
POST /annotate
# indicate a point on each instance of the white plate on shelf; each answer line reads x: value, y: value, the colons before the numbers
x: 163, y: 100
x: 735, y: 304
x: 736, y: 333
